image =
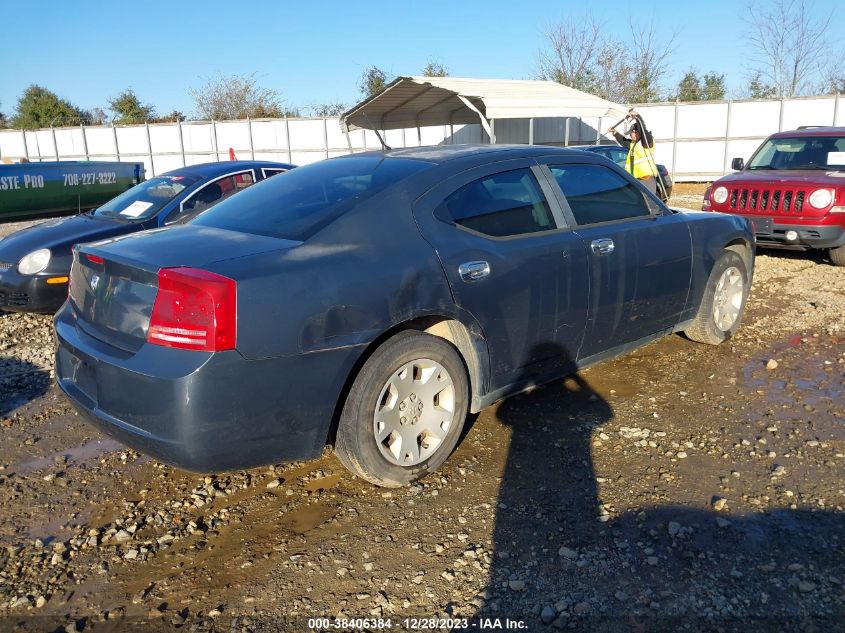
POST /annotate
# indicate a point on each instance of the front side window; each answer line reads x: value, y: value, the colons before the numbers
x: 509, y: 203
x: 597, y: 194
x: 801, y: 152
x: 145, y: 199
x: 212, y: 193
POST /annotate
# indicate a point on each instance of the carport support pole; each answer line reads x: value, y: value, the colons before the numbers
x: 326, y: 136
x: 727, y: 136
x: 150, y: 148
x: 598, y: 132
x: 25, y: 145
x: 531, y: 131
x: 349, y: 142
x: 566, y: 133
x: 84, y: 142
x: 780, y: 117
x: 181, y: 141
x: 835, y: 109
x: 55, y: 144
x: 492, y: 131
x: 214, y: 141
x: 485, y: 124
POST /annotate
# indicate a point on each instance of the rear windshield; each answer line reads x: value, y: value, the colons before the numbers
x: 801, y: 152
x: 145, y: 199
x: 298, y: 203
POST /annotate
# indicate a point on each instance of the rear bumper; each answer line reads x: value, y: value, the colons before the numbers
x: 808, y: 236
x: 200, y: 411
x: 30, y: 293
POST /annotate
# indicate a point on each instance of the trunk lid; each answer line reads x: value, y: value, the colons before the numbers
x: 114, y: 283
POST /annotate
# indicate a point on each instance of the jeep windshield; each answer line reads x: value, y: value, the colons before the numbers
x: 801, y: 152
x: 145, y: 199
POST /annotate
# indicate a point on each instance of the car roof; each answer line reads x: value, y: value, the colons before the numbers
x: 210, y: 170
x: 812, y: 130
x: 593, y: 148
x: 439, y: 154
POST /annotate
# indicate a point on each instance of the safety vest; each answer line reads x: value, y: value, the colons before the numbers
x: 639, y: 162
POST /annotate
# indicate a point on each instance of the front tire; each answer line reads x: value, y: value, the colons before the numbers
x: 837, y: 256
x: 405, y: 410
x: 720, y: 312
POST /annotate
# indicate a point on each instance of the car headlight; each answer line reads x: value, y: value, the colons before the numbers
x: 720, y: 195
x: 821, y: 198
x: 35, y: 262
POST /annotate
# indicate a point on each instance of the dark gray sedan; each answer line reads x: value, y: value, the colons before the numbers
x: 374, y: 300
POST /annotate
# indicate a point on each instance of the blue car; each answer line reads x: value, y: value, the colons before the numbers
x: 619, y: 155
x: 374, y: 300
x: 35, y: 261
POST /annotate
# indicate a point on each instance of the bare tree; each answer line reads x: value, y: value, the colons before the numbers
x: 649, y: 55
x: 574, y: 46
x: 789, y: 46
x: 328, y: 109
x: 580, y: 54
x: 237, y: 97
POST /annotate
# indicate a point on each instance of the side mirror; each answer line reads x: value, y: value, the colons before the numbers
x: 738, y: 164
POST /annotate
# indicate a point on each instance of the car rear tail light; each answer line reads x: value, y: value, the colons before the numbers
x: 94, y: 259
x: 194, y: 309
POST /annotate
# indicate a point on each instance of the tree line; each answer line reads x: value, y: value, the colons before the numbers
x: 791, y: 52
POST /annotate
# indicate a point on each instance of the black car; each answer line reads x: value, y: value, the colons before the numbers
x: 619, y: 154
x: 35, y: 261
x: 377, y: 298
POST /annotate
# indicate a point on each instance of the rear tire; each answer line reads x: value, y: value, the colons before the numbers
x: 405, y: 410
x: 720, y: 312
x: 837, y: 256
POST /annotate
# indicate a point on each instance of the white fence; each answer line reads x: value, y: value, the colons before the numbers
x: 696, y: 141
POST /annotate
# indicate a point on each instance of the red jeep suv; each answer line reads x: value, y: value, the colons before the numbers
x: 792, y: 189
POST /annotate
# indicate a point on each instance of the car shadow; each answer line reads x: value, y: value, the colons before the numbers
x: 563, y: 559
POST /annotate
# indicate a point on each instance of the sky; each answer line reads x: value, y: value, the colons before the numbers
x: 315, y: 52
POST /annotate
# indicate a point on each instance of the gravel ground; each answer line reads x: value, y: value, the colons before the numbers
x: 683, y: 487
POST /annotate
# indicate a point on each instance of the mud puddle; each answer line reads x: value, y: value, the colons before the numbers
x: 76, y: 455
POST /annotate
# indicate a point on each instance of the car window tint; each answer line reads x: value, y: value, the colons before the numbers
x: 310, y: 197
x: 508, y: 203
x: 598, y: 194
x: 268, y: 171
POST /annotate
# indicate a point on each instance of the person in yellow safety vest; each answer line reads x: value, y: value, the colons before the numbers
x: 639, y: 162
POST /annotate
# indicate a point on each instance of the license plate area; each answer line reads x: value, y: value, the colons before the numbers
x: 83, y: 375
x: 762, y: 226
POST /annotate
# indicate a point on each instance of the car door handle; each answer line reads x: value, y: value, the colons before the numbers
x: 473, y: 271
x: 603, y: 246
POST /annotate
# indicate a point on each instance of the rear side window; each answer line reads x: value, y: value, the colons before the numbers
x: 509, y: 203
x: 597, y: 194
x: 298, y: 203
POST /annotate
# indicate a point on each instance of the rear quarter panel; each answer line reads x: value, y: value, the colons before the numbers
x: 362, y: 274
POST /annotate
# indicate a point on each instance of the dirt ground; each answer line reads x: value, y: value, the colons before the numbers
x: 683, y: 487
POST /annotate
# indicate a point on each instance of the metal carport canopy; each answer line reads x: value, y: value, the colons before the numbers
x: 409, y: 102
